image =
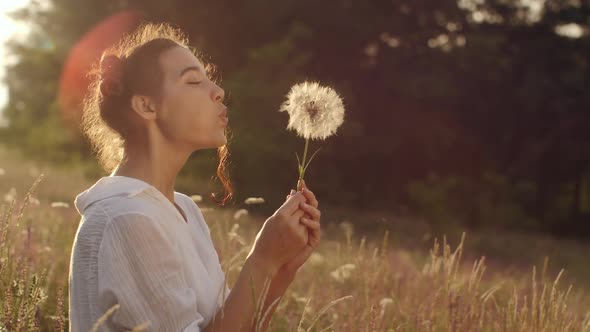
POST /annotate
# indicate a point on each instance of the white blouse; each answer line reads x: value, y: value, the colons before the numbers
x: 133, y: 248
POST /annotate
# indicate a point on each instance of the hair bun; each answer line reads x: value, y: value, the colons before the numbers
x: 111, y: 68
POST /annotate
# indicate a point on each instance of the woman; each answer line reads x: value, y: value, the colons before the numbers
x: 142, y: 249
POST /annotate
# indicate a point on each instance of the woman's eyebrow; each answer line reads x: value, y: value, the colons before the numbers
x: 189, y: 68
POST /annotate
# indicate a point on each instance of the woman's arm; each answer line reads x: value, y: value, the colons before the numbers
x: 278, y: 287
x: 239, y: 309
x: 241, y: 303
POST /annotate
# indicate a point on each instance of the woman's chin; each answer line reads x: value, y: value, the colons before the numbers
x: 222, y: 142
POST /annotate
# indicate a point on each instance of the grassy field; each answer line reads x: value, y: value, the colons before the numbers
x: 392, y: 275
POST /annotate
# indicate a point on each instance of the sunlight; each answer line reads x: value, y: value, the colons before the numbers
x: 9, y: 28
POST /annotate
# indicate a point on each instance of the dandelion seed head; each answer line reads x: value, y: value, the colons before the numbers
x: 315, y: 111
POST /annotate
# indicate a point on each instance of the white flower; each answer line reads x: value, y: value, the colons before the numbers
x: 196, y: 198
x: 241, y: 212
x: 254, y: 200
x: 343, y: 273
x: 60, y: 205
x: 385, y: 302
x: 34, y: 201
x: 316, y: 259
x: 10, y: 195
x: 315, y: 111
x: 233, y: 234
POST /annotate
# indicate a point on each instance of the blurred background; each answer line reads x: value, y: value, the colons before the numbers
x: 467, y: 114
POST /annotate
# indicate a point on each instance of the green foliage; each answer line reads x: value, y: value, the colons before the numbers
x: 426, y: 88
x: 489, y: 202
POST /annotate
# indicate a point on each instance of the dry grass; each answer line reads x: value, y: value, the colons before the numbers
x: 351, y: 284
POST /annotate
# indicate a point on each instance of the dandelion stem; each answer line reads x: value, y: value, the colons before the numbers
x: 301, y: 166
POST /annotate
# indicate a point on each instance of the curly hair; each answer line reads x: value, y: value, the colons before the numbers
x: 127, y: 68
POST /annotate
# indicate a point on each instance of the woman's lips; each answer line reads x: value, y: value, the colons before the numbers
x: 223, y: 116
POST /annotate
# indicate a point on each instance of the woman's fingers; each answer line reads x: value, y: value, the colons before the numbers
x: 315, y: 232
x: 312, y: 211
x: 292, y: 204
x: 315, y: 225
x: 310, y: 196
x: 298, y: 214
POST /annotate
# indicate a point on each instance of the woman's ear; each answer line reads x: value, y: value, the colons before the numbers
x: 143, y: 106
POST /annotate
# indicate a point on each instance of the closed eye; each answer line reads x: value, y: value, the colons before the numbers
x: 195, y: 83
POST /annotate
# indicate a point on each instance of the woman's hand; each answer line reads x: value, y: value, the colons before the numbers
x: 283, y: 236
x: 311, y: 220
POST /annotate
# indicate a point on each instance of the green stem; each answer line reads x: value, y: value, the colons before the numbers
x: 302, y: 170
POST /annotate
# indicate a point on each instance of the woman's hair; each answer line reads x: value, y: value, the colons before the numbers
x: 132, y: 67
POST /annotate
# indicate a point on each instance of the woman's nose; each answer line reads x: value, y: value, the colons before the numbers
x: 219, y: 95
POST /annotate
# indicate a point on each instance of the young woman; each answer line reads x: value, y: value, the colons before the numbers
x: 143, y: 254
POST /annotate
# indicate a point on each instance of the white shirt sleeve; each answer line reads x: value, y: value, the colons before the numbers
x: 139, y: 268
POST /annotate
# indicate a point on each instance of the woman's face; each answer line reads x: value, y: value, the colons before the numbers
x: 191, y: 112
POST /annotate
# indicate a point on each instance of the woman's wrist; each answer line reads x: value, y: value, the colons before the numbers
x: 259, y: 263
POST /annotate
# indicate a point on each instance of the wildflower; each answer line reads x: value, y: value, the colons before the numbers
x: 196, y: 198
x: 10, y: 195
x: 233, y: 234
x: 34, y: 201
x: 241, y: 212
x: 385, y: 302
x: 343, y: 273
x: 254, y: 200
x: 315, y: 112
x: 316, y: 259
x: 60, y: 205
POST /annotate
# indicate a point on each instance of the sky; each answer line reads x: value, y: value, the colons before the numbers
x: 8, y: 29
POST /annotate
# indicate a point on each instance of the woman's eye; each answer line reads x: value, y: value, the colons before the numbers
x: 195, y: 83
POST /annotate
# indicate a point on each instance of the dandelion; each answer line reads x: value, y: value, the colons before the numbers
x: 196, y: 198
x: 254, y: 200
x: 315, y: 112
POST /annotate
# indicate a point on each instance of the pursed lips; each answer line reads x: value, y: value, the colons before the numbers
x: 223, y: 117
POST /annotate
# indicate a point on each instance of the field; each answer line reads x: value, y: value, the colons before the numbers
x: 392, y: 275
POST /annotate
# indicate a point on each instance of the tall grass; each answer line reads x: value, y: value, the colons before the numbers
x: 350, y: 284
